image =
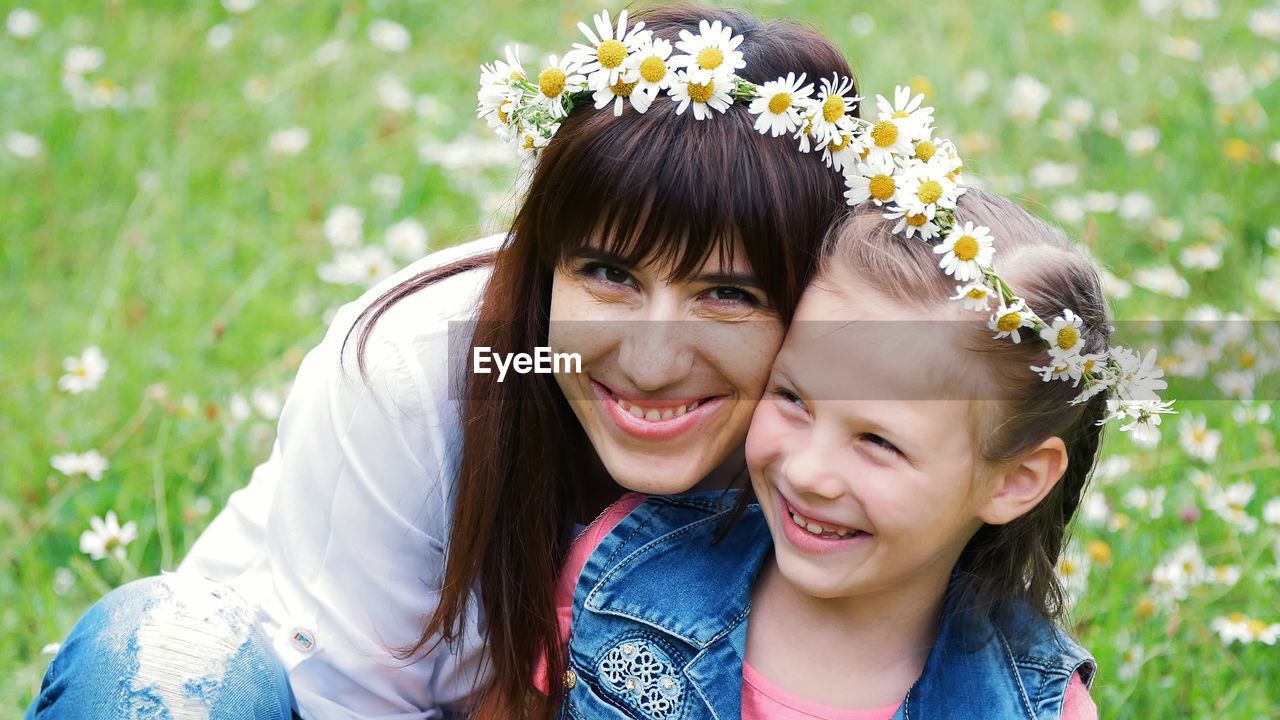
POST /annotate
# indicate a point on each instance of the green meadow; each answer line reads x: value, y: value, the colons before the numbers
x: 175, y: 178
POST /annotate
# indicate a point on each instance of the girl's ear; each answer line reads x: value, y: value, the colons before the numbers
x: 1021, y: 485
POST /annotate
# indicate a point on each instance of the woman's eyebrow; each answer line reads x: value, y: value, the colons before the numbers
x: 743, y: 277
x: 592, y: 252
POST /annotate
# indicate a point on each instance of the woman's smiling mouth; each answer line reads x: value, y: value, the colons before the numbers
x: 653, y: 419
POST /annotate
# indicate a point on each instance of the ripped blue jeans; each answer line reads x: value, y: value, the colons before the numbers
x: 170, y: 647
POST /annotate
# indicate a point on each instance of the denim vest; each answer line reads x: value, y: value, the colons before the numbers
x: 660, y: 630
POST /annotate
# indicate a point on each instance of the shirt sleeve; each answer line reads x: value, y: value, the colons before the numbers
x: 1078, y: 704
x: 339, y: 538
x: 581, y: 549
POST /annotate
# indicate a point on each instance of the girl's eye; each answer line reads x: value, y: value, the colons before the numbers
x: 607, y: 273
x: 882, y: 443
x: 734, y: 295
x: 789, y: 397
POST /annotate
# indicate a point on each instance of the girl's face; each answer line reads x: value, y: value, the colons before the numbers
x: 672, y: 368
x: 864, y: 469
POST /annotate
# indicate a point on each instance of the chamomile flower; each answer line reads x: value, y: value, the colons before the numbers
x: 926, y: 188
x: 533, y: 140
x: 91, y: 463
x: 1137, y: 376
x: 497, y: 87
x: 843, y: 151
x: 84, y: 372
x: 1198, y: 440
x: 1230, y: 503
x: 714, y: 49
x: 830, y: 114
x: 976, y: 295
x: 778, y: 104
x: 106, y: 536
x: 558, y: 78
x: 1064, y: 336
x: 873, y: 181
x: 604, y: 60
x: 907, y: 110
x: 1008, y: 318
x: 701, y: 89
x: 912, y: 224
x: 650, y: 68
x: 967, y: 252
x: 617, y: 93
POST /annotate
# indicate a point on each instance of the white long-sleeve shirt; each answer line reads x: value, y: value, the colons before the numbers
x: 339, y: 537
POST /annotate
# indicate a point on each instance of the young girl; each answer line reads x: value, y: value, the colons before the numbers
x: 915, y: 474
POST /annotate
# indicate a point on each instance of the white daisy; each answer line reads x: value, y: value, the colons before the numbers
x: 84, y: 372
x: 651, y: 70
x: 702, y: 89
x: 558, y: 78
x: 604, y: 60
x: 925, y: 188
x: 842, y: 152
x: 22, y: 23
x: 976, y: 296
x: 907, y: 112
x: 778, y: 105
x: 1137, y: 377
x: 107, y: 537
x: 618, y: 94
x: 289, y: 142
x: 344, y: 227
x: 909, y: 225
x: 874, y: 180
x: 829, y: 116
x: 407, y: 239
x: 1008, y: 319
x: 533, y: 140
x: 714, y: 49
x: 967, y: 252
x: 1064, y: 336
x: 497, y: 86
x: 91, y: 463
x: 1230, y: 503
x: 389, y: 35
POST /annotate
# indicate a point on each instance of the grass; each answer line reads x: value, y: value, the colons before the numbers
x: 168, y: 234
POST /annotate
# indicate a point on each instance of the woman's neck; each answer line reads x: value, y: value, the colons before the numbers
x: 859, y: 652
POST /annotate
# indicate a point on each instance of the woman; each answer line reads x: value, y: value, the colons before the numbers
x: 402, y: 511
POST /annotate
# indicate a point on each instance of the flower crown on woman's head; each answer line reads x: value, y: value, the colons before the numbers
x: 894, y: 162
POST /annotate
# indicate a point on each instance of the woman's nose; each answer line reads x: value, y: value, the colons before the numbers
x: 658, y: 346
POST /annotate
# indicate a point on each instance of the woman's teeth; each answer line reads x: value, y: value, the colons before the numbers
x: 816, y: 529
x: 654, y: 414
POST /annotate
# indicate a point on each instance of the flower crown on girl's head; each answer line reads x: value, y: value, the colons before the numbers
x: 894, y: 162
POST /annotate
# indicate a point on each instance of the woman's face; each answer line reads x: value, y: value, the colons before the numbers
x: 672, y: 368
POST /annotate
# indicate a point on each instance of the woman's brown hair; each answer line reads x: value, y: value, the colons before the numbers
x: 1016, y: 560
x: 652, y: 185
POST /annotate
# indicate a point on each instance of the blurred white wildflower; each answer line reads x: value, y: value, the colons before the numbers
x: 1094, y: 510
x: 1166, y: 229
x: 1060, y: 130
x: 394, y: 95
x: 387, y: 188
x: 1238, y: 384
x: 1249, y: 414
x: 267, y: 403
x: 1115, y: 288
x: 1049, y: 174
x: 1132, y: 656
x: 973, y: 85
x: 23, y: 145
x: 1155, y: 9
x: 289, y: 141
x: 344, y: 227
x: 389, y: 35
x: 407, y: 239
x: 1077, y: 111
x: 1265, y: 22
x: 90, y: 463
x: 1238, y: 627
x: 1266, y: 70
x: 1228, y: 85
x: 1229, y: 503
x: 1269, y: 292
x: 330, y: 52
x: 1100, y: 201
x: 22, y: 23
x: 239, y: 408
x: 1141, y: 500
x: 107, y: 537
x: 1136, y: 207
x: 1162, y: 279
x: 81, y: 60
x: 202, y: 505
x: 1227, y: 575
x: 1180, y: 571
x: 1183, y: 48
x: 1109, y: 122
x: 1068, y: 209
x: 1201, y: 256
x: 1197, y: 439
x: 1113, y: 467
x: 1026, y: 98
x: 63, y: 581
x: 365, y: 266
x: 862, y: 24
x: 84, y: 372
x: 1271, y: 511
x: 1200, y: 9
x: 1141, y: 141
x: 1073, y: 571
x: 219, y: 36
x: 239, y: 6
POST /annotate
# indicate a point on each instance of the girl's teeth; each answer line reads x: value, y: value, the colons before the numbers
x: 653, y: 415
x: 817, y: 529
x: 636, y: 411
x: 668, y: 414
x: 680, y: 411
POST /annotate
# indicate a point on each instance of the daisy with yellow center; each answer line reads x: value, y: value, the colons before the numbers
x: 872, y: 181
x: 1064, y: 336
x: 617, y: 93
x: 1010, y: 318
x: 911, y: 224
x: 925, y: 189
x: 976, y: 296
x: 649, y: 67
x: 905, y: 107
x: 605, y: 58
x: 967, y: 252
x: 702, y: 90
x: 714, y: 49
x: 557, y: 80
x: 831, y: 116
x: 778, y: 104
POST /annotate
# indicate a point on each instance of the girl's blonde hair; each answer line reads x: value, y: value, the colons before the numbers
x: 1015, y: 561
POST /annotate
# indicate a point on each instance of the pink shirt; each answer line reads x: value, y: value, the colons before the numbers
x: 761, y: 699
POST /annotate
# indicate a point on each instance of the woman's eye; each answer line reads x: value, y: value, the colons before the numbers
x: 607, y: 273
x: 881, y: 443
x: 734, y: 295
